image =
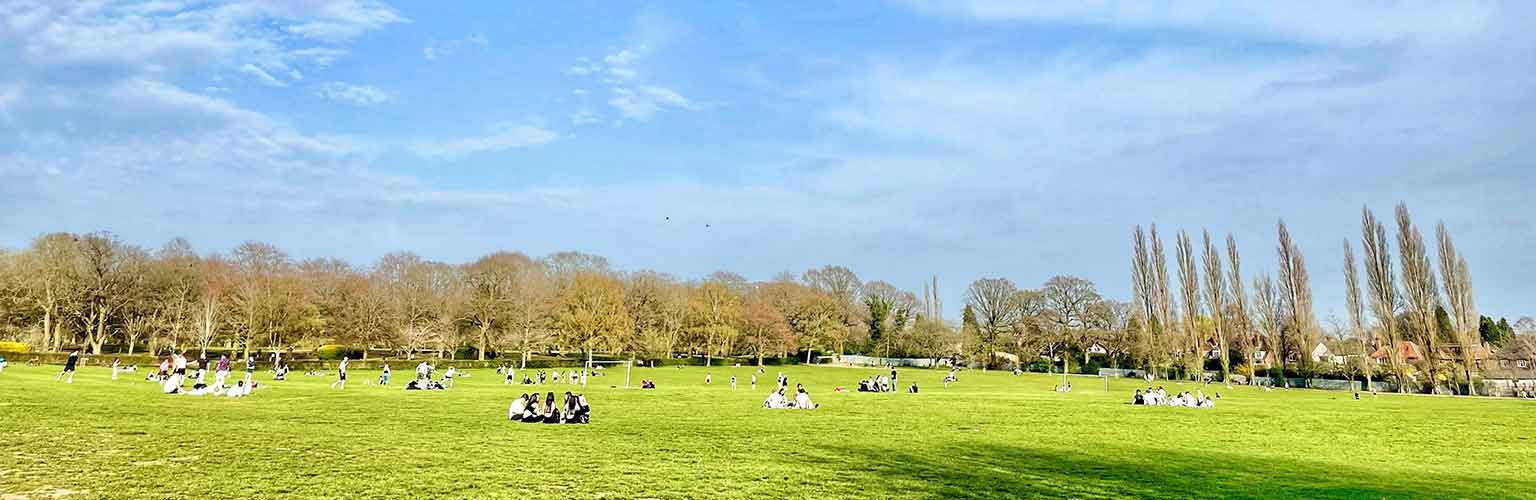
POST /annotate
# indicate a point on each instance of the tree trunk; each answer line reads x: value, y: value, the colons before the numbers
x: 484, y: 339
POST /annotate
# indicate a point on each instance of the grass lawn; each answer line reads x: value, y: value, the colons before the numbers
x: 990, y: 435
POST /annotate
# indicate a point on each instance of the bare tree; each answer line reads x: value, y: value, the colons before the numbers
x: 1382, y: 282
x: 1216, y: 298
x: 1266, y: 306
x: 591, y: 314
x: 1458, y: 291
x: 1074, y: 311
x: 1144, y: 299
x: 995, y: 302
x: 1296, y: 299
x: 1420, y: 293
x: 1356, y: 307
x: 1166, y: 317
x: 1191, y: 346
x: 1241, y: 325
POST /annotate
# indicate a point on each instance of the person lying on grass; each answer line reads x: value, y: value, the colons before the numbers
x: 424, y: 385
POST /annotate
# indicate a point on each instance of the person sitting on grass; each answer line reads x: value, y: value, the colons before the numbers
x: 803, y: 399
x: 647, y: 384
x: 281, y: 373
x: 912, y: 389
x: 776, y: 400
x: 519, y: 406
x: 198, y: 389
x: 532, y: 413
x: 238, y: 391
x: 1138, y: 399
x: 583, y: 411
x: 551, y: 412
x: 527, y: 380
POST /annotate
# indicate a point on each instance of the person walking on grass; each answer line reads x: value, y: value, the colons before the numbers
x: 221, y: 374
x: 733, y: 382
x: 341, y: 375
x: 116, y: 363
x: 69, y: 367
x: 250, y: 369
x: 202, y: 368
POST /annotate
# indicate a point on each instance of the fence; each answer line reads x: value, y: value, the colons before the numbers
x: 857, y: 360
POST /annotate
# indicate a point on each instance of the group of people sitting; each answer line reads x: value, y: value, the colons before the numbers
x: 572, y: 376
x: 778, y: 401
x: 1160, y: 397
x: 880, y: 384
x: 646, y: 383
x: 573, y: 410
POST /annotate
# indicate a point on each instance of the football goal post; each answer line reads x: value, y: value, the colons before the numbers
x: 595, y: 364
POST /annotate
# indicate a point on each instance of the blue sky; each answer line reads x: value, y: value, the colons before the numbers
x: 963, y: 138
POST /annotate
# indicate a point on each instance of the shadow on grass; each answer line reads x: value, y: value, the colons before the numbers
x: 996, y: 471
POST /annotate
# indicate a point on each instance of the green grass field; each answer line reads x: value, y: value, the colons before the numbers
x: 991, y: 435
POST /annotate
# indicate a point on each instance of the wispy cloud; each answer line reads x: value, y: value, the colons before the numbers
x: 361, y: 95
x: 443, y: 48
x: 499, y: 137
x: 631, y: 95
x: 262, y: 76
x: 1330, y: 23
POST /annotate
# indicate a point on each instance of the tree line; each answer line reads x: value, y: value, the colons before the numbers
x: 97, y: 292
x: 1423, y: 323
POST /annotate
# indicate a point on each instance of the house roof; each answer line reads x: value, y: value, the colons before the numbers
x: 1410, y: 351
x: 1516, y: 350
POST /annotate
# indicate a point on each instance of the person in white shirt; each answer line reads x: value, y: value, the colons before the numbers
x: 179, y: 369
x: 776, y: 400
x: 518, y: 408
x: 448, y: 376
x: 803, y: 399
x: 341, y: 374
x: 240, y: 390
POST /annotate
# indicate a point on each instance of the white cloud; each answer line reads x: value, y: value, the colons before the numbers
x: 361, y: 95
x: 583, y: 117
x: 500, y: 137
x: 630, y: 93
x: 261, y: 75
x: 1331, y: 23
x: 621, y: 58
x: 436, y: 49
x: 320, y: 56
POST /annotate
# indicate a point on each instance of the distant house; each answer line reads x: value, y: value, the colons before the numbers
x: 1321, y: 353
x: 1454, y: 352
x: 1097, y: 348
x: 1516, y: 362
x: 1409, y: 351
x: 1264, y: 359
x: 1337, y: 352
